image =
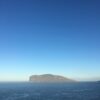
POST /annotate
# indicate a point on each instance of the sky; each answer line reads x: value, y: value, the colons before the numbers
x: 49, y: 36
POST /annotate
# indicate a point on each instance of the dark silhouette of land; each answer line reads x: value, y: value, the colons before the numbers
x: 49, y: 78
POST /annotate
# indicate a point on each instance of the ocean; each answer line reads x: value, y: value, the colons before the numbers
x: 33, y: 91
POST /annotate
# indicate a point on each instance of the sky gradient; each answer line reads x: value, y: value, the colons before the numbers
x: 49, y: 36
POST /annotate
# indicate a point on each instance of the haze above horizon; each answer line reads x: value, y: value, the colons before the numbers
x: 60, y: 37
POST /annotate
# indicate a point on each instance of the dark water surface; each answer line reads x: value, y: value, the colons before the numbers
x: 30, y: 91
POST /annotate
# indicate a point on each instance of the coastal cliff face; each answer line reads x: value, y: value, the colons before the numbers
x: 49, y: 78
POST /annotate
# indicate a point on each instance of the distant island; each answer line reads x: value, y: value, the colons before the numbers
x: 49, y: 78
x: 98, y: 81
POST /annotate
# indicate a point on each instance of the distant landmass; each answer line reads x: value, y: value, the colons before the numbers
x: 49, y: 78
x: 98, y: 81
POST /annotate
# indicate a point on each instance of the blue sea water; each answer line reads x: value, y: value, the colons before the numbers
x: 31, y: 91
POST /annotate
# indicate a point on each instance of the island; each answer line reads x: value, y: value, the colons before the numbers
x: 98, y: 81
x: 49, y: 78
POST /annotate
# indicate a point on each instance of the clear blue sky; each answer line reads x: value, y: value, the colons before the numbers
x: 49, y: 36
